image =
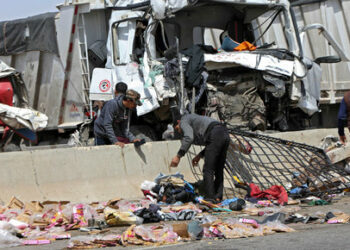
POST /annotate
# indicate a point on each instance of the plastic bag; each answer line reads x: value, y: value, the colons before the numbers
x: 12, y: 213
x: 78, y: 240
x: 8, y: 240
x: 208, y: 219
x: 125, y: 206
x: 148, y: 185
x: 114, y: 217
x: 160, y: 234
x: 277, y: 226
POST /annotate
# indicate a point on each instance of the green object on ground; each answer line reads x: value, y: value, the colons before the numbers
x: 318, y: 203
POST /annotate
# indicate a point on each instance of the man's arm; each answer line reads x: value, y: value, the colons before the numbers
x: 342, y: 119
x: 111, y: 109
x: 187, y: 138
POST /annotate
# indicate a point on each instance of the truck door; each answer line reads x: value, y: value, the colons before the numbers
x: 128, y: 58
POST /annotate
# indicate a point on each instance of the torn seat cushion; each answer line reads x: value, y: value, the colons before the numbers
x: 6, y: 93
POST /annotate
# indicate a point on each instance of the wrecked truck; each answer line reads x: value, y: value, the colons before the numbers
x: 17, y: 120
x: 175, y: 53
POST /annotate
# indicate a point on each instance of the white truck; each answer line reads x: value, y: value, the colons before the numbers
x: 142, y: 43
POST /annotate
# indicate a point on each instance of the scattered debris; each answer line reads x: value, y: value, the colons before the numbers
x: 37, y: 223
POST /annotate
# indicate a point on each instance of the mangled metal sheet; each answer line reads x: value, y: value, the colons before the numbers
x: 273, y: 161
x: 5, y: 70
x: 22, y: 118
x: 250, y: 60
x: 332, y: 14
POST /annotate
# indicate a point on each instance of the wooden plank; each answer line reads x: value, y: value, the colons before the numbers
x: 339, y: 154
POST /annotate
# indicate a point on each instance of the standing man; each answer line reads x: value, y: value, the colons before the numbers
x: 202, y: 130
x: 120, y: 89
x: 344, y: 116
x: 116, y: 111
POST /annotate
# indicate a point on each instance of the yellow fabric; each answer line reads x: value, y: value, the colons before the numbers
x: 245, y: 46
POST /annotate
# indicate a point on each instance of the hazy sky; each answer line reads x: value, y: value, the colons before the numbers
x: 14, y: 9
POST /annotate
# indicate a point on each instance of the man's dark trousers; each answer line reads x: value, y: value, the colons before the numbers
x: 214, y: 160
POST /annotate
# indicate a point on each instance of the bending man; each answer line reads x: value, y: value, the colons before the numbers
x: 202, y: 130
x: 116, y: 111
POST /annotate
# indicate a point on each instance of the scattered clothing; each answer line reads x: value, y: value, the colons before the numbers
x: 150, y: 214
x: 275, y: 192
x: 195, y: 65
x: 186, y: 214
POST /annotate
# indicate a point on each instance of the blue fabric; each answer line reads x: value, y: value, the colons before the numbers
x: 163, y: 176
x: 228, y: 44
x: 297, y: 190
x: 101, y: 141
x: 26, y: 133
x: 228, y: 201
x: 189, y: 187
x: 113, y: 112
x: 342, y: 117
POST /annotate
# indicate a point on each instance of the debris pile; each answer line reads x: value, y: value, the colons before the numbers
x: 159, y: 219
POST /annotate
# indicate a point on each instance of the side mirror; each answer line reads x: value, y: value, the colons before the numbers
x: 327, y: 59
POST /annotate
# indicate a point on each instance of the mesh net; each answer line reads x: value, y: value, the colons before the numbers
x: 267, y: 161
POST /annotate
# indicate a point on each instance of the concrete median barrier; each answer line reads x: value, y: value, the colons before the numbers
x: 87, y: 173
x: 311, y: 137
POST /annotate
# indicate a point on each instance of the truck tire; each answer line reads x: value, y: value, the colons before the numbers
x: 143, y: 132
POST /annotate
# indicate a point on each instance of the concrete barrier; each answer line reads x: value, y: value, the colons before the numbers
x: 101, y: 173
x: 86, y: 173
x: 311, y: 137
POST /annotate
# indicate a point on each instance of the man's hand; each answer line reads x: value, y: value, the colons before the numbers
x: 342, y: 139
x: 175, y: 161
x: 135, y: 140
x: 195, y: 160
x: 118, y: 143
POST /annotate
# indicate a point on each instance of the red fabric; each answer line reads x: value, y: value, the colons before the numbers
x: 6, y: 130
x: 123, y: 139
x: 275, y: 192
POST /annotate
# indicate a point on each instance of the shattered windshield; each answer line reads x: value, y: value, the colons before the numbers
x: 210, y: 24
x: 268, y: 30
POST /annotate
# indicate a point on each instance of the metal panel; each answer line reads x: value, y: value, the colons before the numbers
x: 31, y: 75
x: 51, y: 83
x: 333, y: 15
x: 64, y: 29
x: 73, y: 112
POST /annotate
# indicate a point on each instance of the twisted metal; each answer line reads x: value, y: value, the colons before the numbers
x: 274, y: 161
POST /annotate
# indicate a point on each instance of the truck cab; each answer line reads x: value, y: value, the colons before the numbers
x: 248, y: 88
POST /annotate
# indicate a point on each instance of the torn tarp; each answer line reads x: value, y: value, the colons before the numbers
x: 22, y: 118
x: 250, y: 60
x: 36, y: 33
x: 5, y: 70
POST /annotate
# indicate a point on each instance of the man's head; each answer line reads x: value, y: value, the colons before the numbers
x: 176, y: 120
x: 131, y: 99
x: 120, y: 88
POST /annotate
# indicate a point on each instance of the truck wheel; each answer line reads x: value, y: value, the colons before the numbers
x: 144, y: 132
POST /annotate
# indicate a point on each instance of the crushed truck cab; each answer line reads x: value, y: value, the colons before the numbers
x: 216, y: 58
x: 266, y: 81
